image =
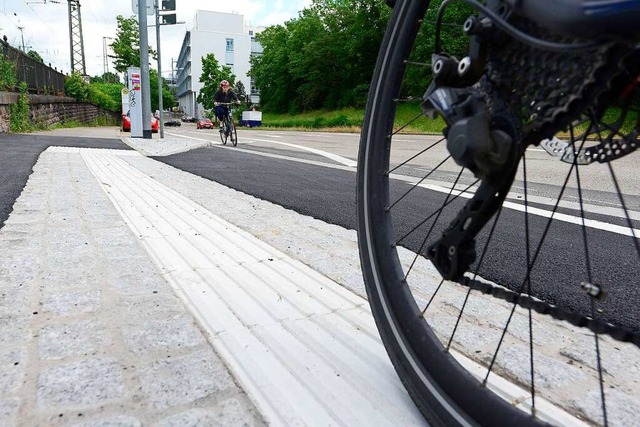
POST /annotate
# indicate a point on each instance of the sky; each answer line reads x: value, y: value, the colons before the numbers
x: 45, y: 26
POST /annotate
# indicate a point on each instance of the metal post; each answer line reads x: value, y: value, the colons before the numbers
x: 145, y: 88
x: 22, y: 36
x: 160, y: 107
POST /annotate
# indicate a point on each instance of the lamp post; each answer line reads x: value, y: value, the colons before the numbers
x: 160, y: 106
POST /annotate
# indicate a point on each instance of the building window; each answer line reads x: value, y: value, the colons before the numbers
x: 229, y: 53
x: 250, y: 33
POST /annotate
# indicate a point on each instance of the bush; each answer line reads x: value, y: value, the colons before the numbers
x: 103, y: 95
x: 8, y: 77
x: 19, y: 112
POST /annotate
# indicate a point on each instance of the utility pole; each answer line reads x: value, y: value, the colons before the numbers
x: 105, y: 51
x: 22, y: 37
x: 160, y: 106
x: 75, y: 38
x: 144, y: 69
x: 167, y: 19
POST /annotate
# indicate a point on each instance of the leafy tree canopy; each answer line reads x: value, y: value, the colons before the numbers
x: 126, y: 46
x: 212, y: 74
x: 325, y: 57
x: 107, y: 77
x: 35, y: 56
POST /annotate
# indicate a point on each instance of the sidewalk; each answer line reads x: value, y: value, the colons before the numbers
x: 123, y: 302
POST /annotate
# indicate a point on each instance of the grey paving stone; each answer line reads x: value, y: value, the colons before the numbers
x: 230, y: 413
x: 72, y: 339
x: 74, y: 279
x: 162, y: 303
x: 113, y: 236
x: 8, y: 412
x: 550, y: 372
x: 14, y: 298
x: 121, y: 251
x: 13, y: 362
x: 115, y: 421
x: 622, y: 410
x: 66, y: 303
x: 172, y: 333
x: 14, y: 329
x: 183, y: 380
x: 138, y: 283
x: 88, y: 382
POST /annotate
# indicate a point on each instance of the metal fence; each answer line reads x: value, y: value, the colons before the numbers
x: 40, y: 78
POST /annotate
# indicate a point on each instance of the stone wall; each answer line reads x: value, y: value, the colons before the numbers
x: 48, y: 110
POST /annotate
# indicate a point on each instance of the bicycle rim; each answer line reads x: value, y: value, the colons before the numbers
x: 428, y: 324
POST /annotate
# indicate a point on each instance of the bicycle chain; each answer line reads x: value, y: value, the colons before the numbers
x: 526, y: 301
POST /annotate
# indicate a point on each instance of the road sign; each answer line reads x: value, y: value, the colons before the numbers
x: 134, y: 80
x: 149, y: 3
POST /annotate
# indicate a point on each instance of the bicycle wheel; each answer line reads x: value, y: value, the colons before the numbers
x: 224, y: 132
x: 474, y: 350
x: 233, y: 133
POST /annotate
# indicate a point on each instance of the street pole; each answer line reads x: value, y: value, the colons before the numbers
x: 160, y: 107
x: 145, y: 88
x: 22, y: 36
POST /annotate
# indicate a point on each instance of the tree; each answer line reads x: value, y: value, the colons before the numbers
x: 35, y: 56
x: 126, y: 46
x: 107, y: 77
x: 212, y: 74
x: 242, y: 94
x: 168, y: 100
x: 323, y: 58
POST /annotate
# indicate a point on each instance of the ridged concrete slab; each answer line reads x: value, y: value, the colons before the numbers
x: 302, y: 346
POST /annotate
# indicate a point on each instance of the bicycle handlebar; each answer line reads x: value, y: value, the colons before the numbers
x: 227, y: 103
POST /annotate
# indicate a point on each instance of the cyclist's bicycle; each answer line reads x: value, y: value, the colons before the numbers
x: 228, y: 129
x: 541, y: 81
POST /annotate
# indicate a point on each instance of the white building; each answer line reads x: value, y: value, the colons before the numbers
x: 226, y: 36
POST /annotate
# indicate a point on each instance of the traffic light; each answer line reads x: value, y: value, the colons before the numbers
x: 169, y: 5
x: 169, y: 19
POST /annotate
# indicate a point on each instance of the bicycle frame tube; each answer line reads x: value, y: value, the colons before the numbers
x: 582, y: 17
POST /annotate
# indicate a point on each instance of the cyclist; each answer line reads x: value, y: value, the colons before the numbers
x: 224, y: 95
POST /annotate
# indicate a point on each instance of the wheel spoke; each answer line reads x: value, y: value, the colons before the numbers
x: 439, y: 212
x: 590, y: 276
x: 417, y: 184
x: 527, y: 242
x: 418, y: 155
x: 413, y: 230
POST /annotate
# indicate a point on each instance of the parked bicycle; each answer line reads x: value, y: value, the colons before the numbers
x: 228, y: 129
x: 563, y: 76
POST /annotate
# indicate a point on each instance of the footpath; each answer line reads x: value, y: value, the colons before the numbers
x: 136, y: 294
x: 127, y: 299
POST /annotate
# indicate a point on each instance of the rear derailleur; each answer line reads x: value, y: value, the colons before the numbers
x: 482, y: 136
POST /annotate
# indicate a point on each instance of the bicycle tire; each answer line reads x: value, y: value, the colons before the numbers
x: 233, y: 133
x: 223, y: 132
x: 444, y: 391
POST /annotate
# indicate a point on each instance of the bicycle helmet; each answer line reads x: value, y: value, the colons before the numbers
x: 224, y: 83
